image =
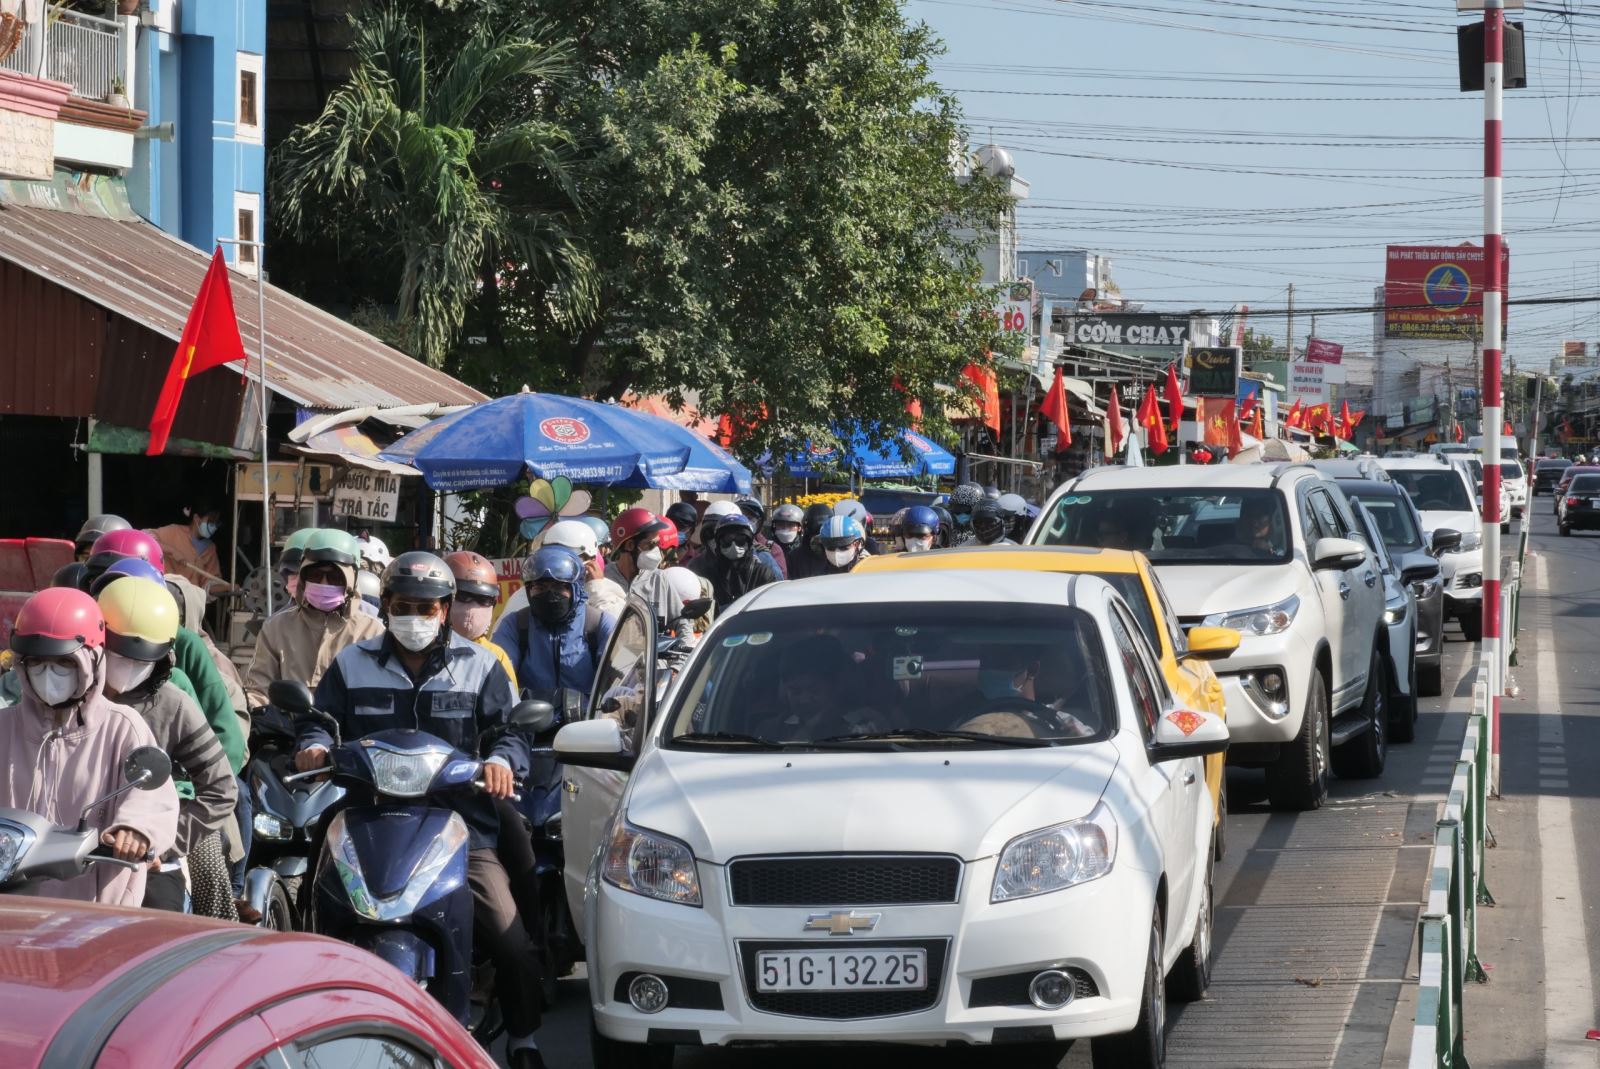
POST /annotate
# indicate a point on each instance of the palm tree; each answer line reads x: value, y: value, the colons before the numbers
x: 454, y: 166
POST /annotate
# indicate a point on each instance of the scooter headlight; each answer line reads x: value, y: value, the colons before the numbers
x: 405, y: 775
x: 267, y: 826
x: 14, y: 842
x: 451, y: 841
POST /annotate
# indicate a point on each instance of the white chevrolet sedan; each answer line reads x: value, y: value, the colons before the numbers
x: 960, y: 808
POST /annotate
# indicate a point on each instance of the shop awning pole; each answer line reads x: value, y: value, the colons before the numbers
x: 266, y: 473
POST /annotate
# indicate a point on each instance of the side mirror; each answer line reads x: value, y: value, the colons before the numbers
x: 533, y: 716
x: 1338, y: 553
x: 147, y: 768
x: 290, y: 695
x: 1186, y: 733
x: 1419, y: 574
x: 1212, y: 643
x: 1445, y: 540
x: 697, y: 608
x: 594, y: 744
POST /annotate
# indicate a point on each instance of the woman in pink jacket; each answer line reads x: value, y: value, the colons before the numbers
x: 64, y: 744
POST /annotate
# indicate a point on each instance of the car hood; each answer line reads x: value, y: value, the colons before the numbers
x: 1202, y: 589
x: 969, y: 802
x: 1465, y: 522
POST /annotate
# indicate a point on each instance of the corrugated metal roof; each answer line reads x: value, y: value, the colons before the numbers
x: 314, y: 359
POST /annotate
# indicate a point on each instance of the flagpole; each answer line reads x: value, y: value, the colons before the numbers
x: 266, y: 467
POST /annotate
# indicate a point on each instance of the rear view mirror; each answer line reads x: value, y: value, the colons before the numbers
x: 1212, y: 643
x: 594, y: 744
x: 1445, y: 540
x: 1188, y: 733
x: 147, y: 768
x: 290, y: 695
x: 534, y: 716
x: 1338, y: 553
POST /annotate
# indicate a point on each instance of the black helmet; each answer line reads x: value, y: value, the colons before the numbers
x: 992, y: 492
x: 74, y: 576
x: 419, y: 574
x: 989, y: 522
x: 683, y: 516
x: 95, y: 526
x: 816, y: 516
x: 964, y: 498
x: 752, y: 507
x: 942, y: 534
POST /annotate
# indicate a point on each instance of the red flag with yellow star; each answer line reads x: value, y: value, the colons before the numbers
x: 1150, y: 419
x: 210, y: 337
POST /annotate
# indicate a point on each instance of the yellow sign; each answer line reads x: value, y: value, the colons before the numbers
x: 1430, y: 438
x: 317, y: 485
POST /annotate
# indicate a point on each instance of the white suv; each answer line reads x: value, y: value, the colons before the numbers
x: 1270, y: 550
x: 1442, y: 492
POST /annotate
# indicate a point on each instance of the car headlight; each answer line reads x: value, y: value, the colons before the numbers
x: 1426, y: 588
x: 1052, y: 859
x: 651, y: 864
x: 446, y: 845
x: 1470, y: 540
x: 268, y: 826
x: 1393, y: 614
x: 405, y: 775
x: 1262, y: 620
x: 14, y: 842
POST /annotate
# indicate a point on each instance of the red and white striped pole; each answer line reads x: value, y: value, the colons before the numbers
x: 1493, y: 403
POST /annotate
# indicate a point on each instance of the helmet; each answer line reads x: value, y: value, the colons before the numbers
x: 988, y: 521
x: 752, y: 507
x: 95, y: 526
x: 419, y: 574
x: 574, y: 535
x: 553, y: 562
x: 57, y: 622
x: 840, y: 531
x: 141, y: 619
x: 633, y: 523
x: 683, y: 515
x: 991, y: 491
x: 602, y: 531
x: 294, y: 548
x: 787, y: 513
x: 368, y: 584
x: 329, y: 545
x: 919, y: 520
x: 670, y: 538
x: 896, y: 520
x: 946, y: 522
x: 684, y: 583
x: 73, y: 576
x: 964, y: 498
x: 128, y: 566
x: 738, y: 521
x: 474, y: 574
x: 851, y: 507
x: 115, y: 545
x: 816, y: 516
x: 718, y: 509
x: 1012, y: 505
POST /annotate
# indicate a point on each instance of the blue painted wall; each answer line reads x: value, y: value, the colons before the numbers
x: 189, y: 77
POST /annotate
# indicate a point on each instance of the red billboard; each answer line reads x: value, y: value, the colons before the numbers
x: 1436, y: 291
x: 1324, y: 352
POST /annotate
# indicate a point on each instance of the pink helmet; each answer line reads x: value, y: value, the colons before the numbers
x: 118, y: 545
x: 57, y: 622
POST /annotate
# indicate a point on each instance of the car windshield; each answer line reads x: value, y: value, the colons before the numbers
x: 1511, y: 471
x: 1393, y: 518
x: 898, y: 676
x: 1211, y: 526
x: 1434, y: 491
x: 1552, y: 465
x: 1584, y: 484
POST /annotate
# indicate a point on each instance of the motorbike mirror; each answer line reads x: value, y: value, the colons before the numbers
x: 290, y: 695
x: 534, y: 715
x: 147, y: 768
x: 697, y: 608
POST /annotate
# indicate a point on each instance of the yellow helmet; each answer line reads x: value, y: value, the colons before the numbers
x: 141, y: 618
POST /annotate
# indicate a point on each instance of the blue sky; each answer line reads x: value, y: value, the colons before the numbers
x: 1218, y: 151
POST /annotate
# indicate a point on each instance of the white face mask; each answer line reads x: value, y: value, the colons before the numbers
x: 648, y: 560
x: 124, y: 674
x: 415, y: 633
x: 918, y: 545
x: 840, y: 557
x: 207, y: 528
x: 55, y: 684
x: 786, y: 535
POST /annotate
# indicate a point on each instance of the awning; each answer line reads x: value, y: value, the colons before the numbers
x: 338, y: 436
x: 139, y: 272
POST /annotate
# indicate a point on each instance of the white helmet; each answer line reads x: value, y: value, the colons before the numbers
x: 576, y: 536
x: 720, y: 508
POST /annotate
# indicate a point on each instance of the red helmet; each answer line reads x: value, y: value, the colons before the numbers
x: 671, y: 537
x: 57, y: 622
x: 633, y: 523
x: 474, y: 574
x: 116, y: 545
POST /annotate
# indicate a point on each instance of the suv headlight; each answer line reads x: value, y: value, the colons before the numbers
x: 651, y: 864
x: 1052, y: 859
x: 1470, y: 540
x: 1262, y: 620
x: 1426, y: 588
x: 405, y: 775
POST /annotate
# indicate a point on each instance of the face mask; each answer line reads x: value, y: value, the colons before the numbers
x: 963, y: 519
x: 470, y: 621
x: 124, y: 674
x: 997, y: 683
x: 550, y: 608
x: 735, y: 550
x: 324, y: 596
x: 55, y: 684
x: 292, y: 585
x: 648, y: 560
x: 840, y: 557
x: 207, y: 528
x: 415, y: 633
x: 918, y: 545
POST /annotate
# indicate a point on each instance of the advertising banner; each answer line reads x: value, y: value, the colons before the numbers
x: 1436, y: 291
x: 1214, y: 371
x: 1324, y: 352
x: 367, y: 495
x: 1129, y: 329
x: 1307, y: 384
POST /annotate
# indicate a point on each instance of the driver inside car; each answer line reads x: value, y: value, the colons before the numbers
x: 812, y: 675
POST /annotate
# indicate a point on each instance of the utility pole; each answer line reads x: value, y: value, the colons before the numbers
x: 1291, y: 323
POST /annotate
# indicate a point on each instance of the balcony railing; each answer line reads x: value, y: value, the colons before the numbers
x: 82, y: 50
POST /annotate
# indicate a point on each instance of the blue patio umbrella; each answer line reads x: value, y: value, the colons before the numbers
x: 882, y: 462
x: 491, y: 443
x: 711, y: 469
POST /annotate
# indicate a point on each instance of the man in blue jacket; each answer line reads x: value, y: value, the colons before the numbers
x: 557, y: 641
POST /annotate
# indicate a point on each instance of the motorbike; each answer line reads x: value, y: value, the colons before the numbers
x: 32, y: 848
x: 391, y: 873
x: 286, y: 816
x: 557, y: 937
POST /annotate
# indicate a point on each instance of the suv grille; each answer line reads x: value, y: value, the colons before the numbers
x: 847, y: 1005
x: 845, y: 880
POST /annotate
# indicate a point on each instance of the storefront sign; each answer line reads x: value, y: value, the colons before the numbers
x: 1014, y: 317
x: 316, y: 482
x: 1436, y: 291
x: 367, y: 495
x: 1324, y: 352
x: 1214, y: 371
x: 1308, y: 384
x: 1129, y: 329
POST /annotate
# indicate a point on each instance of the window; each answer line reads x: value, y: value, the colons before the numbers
x: 1394, y: 520
x: 622, y: 683
x: 1145, y: 704
x: 247, y: 119
x: 1327, y: 518
x: 363, y: 1052
x: 246, y: 227
x: 1222, y: 525
x: 1435, y: 489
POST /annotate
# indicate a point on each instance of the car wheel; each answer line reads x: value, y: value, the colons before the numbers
x: 1299, y: 778
x: 1430, y: 680
x: 1403, y: 706
x: 1146, y: 1046
x: 1472, y: 624
x: 1363, y: 757
x: 279, y: 914
x: 1191, y: 975
x: 607, y: 1053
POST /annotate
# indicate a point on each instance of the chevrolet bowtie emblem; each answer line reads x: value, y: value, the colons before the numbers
x: 842, y: 922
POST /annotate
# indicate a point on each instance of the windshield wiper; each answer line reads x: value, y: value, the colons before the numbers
x: 929, y: 735
x: 735, y: 737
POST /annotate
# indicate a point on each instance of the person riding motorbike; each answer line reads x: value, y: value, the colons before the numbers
x: 64, y: 744
x: 556, y: 641
x: 188, y: 546
x: 704, y: 537
x: 294, y: 552
x: 302, y: 642
x: 93, y: 528
x: 636, y: 536
x: 919, y: 527
x: 757, y: 514
x: 963, y: 499
x: 731, y: 563
x: 369, y: 585
x: 1015, y: 511
x: 114, y: 546
x: 472, y: 609
x: 684, y: 516
x: 946, y: 525
x: 989, y: 525
x: 785, y: 531
x: 843, y: 543
x: 806, y: 558
x: 374, y: 552
x: 141, y: 626
x: 421, y: 675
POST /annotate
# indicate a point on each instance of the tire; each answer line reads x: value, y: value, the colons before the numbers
x: 1298, y: 780
x: 1146, y: 1046
x: 1472, y: 624
x: 1430, y: 680
x: 1363, y: 757
x: 279, y: 914
x: 615, y: 1054
x: 1191, y: 974
x: 1403, y: 707
x: 1505, y: 528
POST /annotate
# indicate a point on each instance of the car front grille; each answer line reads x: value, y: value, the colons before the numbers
x: 847, y: 1005
x: 845, y: 880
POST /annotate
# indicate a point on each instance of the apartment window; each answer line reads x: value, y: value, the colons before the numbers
x: 247, y: 227
x: 247, y: 123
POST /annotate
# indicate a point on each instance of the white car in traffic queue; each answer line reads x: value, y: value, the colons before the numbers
x: 906, y: 808
x: 1443, y: 494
